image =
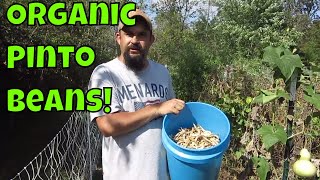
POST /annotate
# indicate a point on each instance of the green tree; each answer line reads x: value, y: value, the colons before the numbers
x: 248, y: 26
x: 178, y: 47
x: 310, y: 44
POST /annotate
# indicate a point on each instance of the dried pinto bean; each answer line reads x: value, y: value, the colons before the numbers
x: 196, y: 138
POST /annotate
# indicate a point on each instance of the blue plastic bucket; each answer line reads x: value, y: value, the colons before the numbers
x: 195, y: 164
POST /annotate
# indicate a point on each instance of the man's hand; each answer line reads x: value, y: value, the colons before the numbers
x: 170, y: 106
x: 123, y: 122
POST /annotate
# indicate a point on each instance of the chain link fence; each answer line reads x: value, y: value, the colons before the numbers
x: 73, y: 154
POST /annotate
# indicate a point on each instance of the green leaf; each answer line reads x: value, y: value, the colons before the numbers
x: 272, y: 135
x: 233, y: 110
x: 269, y: 140
x: 283, y: 59
x: 282, y: 93
x: 309, y: 90
x: 312, y: 97
x: 263, y: 169
x: 267, y: 96
x: 272, y: 54
x: 255, y: 160
x: 266, y: 92
x: 266, y: 99
x: 248, y: 100
x: 287, y: 52
x: 287, y: 64
x: 238, y: 154
x: 280, y: 133
x: 258, y: 99
x: 314, y: 100
x: 263, y: 98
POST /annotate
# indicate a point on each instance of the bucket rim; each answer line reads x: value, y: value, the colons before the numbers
x: 213, y: 148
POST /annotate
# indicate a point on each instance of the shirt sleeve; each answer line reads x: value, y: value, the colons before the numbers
x: 100, y: 79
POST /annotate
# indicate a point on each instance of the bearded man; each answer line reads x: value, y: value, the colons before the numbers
x: 142, y: 94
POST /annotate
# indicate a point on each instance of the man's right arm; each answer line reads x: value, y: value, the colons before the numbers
x: 119, y: 123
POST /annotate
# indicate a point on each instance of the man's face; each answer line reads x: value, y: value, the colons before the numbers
x: 134, y: 42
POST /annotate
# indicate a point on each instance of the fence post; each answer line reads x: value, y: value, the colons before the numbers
x: 289, y: 143
x: 87, y: 116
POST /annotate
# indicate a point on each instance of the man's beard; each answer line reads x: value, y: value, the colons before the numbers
x: 135, y: 63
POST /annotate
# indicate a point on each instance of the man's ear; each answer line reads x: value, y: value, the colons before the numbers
x: 152, y: 38
x: 118, y: 37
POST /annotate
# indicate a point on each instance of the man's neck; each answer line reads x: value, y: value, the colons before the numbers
x: 121, y: 58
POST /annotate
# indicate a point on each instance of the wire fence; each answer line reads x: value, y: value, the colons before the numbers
x: 72, y: 154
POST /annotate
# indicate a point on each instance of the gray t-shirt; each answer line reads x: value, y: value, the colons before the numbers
x: 140, y: 153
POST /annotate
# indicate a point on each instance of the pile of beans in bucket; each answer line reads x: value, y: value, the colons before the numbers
x: 196, y: 138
